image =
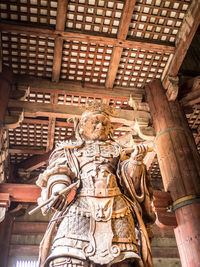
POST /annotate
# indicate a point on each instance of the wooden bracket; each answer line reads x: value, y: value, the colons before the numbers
x: 164, y: 217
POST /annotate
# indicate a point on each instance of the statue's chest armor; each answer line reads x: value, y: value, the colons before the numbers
x: 98, y: 150
x: 98, y: 162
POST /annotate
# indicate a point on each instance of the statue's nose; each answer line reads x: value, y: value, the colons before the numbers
x: 99, y: 125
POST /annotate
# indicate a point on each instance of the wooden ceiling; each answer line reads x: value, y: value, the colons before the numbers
x: 64, y: 53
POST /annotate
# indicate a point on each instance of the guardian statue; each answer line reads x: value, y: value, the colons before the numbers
x: 108, y: 220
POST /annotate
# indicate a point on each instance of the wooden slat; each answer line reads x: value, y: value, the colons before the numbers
x: 58, y: 46
x: 74, y: 36
x: 122, y: 34
x: 183, y: 41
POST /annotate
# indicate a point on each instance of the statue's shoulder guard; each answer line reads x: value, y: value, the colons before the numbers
x: 58, y: 163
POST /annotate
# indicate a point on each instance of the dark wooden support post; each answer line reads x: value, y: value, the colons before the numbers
x: 5, y: 235
x: 179, y: 163
x: 6, y: 81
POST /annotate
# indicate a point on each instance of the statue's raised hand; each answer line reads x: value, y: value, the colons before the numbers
x: 139, y: 152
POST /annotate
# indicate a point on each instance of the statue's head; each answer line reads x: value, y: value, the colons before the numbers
x: 95, y: 122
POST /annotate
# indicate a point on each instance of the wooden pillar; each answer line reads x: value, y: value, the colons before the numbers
x: 6, y: 81
x: 5, y: 235
x: 179, y: 163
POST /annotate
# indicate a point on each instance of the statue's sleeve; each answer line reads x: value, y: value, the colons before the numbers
x: 138, y: 186
x: 57, y: 172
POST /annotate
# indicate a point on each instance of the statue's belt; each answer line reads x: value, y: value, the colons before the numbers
x: 100, y: 192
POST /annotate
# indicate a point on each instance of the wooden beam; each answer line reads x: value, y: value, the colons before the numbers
x: 183, y: 41
x: 34, y: 162
x: 30, y: 193
x: 24, y: 228
x: 58, y: 45
x: 77, y: 87
x: 81, y: 37
x: 24, y: 251
x: 26, y: 150
x: 127, y: 117
x: 113, y: 67
x: 50, y: 135
x: 165, y: 252
x: 57, y: 59
x: 21, y: 192
x: 190, y: 92
x: 122, y: 34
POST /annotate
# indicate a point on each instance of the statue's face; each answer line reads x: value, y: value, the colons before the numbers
x: 96, y: 127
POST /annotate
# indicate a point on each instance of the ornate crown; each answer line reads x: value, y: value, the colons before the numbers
x: 94, y: 106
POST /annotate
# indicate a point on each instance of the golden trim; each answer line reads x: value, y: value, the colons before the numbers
x: 182, y: 199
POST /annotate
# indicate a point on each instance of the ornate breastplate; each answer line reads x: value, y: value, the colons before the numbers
x: 98, y: 162
x: 98, y: 149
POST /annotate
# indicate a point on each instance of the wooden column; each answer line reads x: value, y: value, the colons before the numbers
x: 5, y: 235
x: 6, y: 81
x: 179, y: 163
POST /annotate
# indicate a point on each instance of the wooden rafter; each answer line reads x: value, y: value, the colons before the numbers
x: 183, y: 41
x: 58, y: 46
x: 74, y: 36
x: 34, y: 162
x: 122, y: 34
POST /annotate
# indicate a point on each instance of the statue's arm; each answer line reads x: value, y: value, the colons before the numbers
x: 135, y: 165
x: 137, y: 181
x: 53, y: 180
